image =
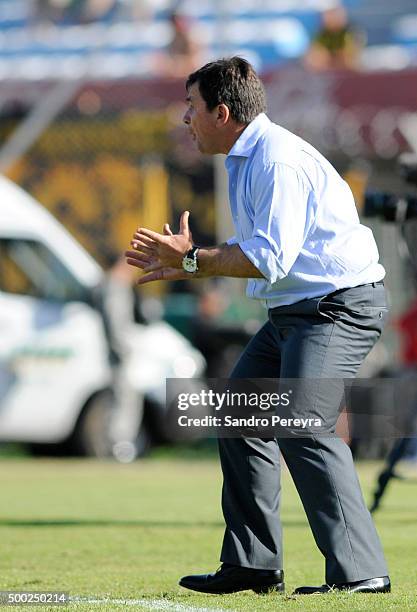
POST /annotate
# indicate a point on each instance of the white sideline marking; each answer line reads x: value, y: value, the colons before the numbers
x: 150, y: 604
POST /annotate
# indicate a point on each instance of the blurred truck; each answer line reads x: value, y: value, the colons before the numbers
x: 58, y: 388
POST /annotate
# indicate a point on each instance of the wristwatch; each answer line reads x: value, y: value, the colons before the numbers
x: 189, y: 261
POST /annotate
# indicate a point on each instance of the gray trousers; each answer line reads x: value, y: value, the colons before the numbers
x: 319, y: 338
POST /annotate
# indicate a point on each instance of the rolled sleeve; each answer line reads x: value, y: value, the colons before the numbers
x: 259, y: 252
x: 282, y: 218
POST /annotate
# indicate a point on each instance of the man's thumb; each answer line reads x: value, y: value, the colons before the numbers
x: 184, y: 222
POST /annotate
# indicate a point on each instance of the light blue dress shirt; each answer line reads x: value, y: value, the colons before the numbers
x: 295, y: 218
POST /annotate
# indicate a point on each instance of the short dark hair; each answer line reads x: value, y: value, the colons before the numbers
x: 233, y: 82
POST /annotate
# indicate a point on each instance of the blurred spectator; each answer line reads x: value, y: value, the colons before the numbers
x: 143, y: 10
x: 183, y: 54
x: 337, y: 44
x: 99, y: 10
x: 119, y: 309
x: 122, y: 307
x: 70, y: 12
x: 407, y: 325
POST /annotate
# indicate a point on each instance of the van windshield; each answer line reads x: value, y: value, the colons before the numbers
x: 28, y: 267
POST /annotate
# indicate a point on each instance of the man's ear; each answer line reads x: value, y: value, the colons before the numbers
x: 223, y: 114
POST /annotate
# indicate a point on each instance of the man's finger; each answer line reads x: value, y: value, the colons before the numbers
x: 144, y: 233
x: 137, y: 263
x: 140, y: 260
x: 140, y: 246
x: 139, y: 255
x: 162, y: 274
x: 144, y: 239
x: 148, y: 278
x: 146, y: 258
x: 167, y: 230
x: 184, y: 222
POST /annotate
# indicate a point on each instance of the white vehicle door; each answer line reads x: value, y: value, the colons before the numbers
x: 53, y: 352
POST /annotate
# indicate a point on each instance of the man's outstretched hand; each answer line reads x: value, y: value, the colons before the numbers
x: 160, y: 255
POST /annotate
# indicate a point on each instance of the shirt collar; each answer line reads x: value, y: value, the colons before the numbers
x: 250, y: 136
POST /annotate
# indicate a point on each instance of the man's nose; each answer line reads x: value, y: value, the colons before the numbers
x: 186, y: 118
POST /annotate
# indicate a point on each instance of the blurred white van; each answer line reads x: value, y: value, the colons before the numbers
x: 56, y: 383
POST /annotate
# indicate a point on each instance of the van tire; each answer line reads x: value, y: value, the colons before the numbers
x: 144, y: 441
x: 91, y: 436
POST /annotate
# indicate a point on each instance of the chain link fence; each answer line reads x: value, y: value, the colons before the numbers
x: 104, y: 165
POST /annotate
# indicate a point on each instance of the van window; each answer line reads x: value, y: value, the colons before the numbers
x: 28, y: 267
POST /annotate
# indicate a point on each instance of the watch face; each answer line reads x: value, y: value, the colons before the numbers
x: 189, y: 265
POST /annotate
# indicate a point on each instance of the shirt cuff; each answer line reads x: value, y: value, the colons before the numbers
x: 232, y: 240
x: 259, y: 252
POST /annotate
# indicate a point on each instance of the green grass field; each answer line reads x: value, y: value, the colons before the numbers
x: 114, y: 532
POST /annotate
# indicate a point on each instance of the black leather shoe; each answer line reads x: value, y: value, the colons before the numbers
x: 233, y: 578
x: 372, y: 585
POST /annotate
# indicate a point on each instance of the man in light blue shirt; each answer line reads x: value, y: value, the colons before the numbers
x: 299, y: 242
x: 295, y: 218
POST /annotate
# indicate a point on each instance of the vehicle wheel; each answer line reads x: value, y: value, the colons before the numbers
x: 91, y: 437
x: 127, y: 451
x: 143, y: 440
